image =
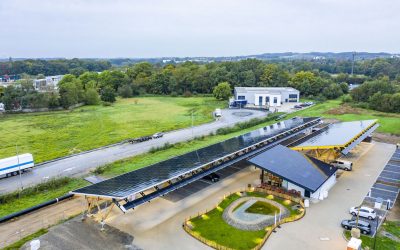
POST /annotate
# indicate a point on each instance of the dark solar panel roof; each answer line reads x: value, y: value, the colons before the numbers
x: 338, y: 134
x: 306, y: 172
x: 142, y: 179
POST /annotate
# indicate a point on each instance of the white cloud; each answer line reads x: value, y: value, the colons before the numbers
x: 154, y: 28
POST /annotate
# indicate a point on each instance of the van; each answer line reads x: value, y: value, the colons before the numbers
x: 341, y: 164
x: 218, y: 113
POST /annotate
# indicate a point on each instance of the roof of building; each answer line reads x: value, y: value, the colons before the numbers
x: 338, y: 135
x: 142, y: 179
x: 295, y: 167
x: 263, y: 89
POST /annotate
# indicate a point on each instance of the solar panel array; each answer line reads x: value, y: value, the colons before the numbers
x: 338, y: 134
x: 142, y: 179
x: 294, y: 167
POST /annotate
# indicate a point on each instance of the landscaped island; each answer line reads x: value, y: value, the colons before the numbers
x: 244, y: 220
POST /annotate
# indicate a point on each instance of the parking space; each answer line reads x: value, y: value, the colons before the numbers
x: 385, y: 188
x: 201, y: 184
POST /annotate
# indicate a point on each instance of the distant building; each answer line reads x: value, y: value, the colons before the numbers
x: 267, y: 96
x: 2, y: 109
x: 47, y: 84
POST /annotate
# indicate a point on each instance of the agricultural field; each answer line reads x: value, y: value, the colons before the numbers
x: 49, y: 135
x: 334, y: 109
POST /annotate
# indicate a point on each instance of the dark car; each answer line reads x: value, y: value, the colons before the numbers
x: 364, y: 226
x: 211, y: 177
x: 298, y: 106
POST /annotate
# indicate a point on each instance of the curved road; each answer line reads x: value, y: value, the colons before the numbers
x: 82, y: 163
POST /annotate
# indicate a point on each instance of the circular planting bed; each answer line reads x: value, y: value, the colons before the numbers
x: 253, y: 213
x: 242, y: 113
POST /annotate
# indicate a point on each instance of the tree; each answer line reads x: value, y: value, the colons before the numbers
x: 308, y: 84
x: 222, y: 91
x: 273, y: 76
x: 125, y: 91
x: 108, y: 94
x: 333, y: 91
x: 345, y: 87
x: 91, y: 97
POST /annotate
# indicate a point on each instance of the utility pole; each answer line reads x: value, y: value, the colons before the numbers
x: 352, y: 63
x: 19, y: 167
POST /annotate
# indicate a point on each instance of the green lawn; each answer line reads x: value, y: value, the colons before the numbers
x: 53, y: 134
x: 390, y: 122
x: 382, y: 242
x: 261, y: 207
x: 213, y: 227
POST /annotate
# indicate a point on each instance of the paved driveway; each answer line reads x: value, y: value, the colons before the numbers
x: 320, y: 228
x: 80, y: 164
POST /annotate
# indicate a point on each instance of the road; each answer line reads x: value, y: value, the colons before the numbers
x: 82, y: 163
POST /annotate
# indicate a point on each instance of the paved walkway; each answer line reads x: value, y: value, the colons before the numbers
x: 320, y: 228
x: 81, y: 164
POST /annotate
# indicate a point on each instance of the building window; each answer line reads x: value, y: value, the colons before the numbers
x: 293, y: 97
x: 260, y: 100
x: 275, y: 99
x: 241, y: 97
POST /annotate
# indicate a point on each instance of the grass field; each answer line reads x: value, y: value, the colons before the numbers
x: 261, y: 207
x: 53, y: 134
x: 382, y: 242
x: 390, y: 122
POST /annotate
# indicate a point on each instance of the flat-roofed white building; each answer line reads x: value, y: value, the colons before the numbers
x: 267, y: 96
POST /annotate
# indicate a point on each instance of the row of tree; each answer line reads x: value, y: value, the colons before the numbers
x: 193, y: 78
x: 52, y: 67
x: 380, y: 94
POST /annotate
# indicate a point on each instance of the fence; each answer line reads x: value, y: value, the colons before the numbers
x: 188, y: 228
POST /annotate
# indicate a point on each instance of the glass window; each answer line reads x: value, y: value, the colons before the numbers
x: 241, y: 97
x: 275, y: 99
x: 293, y: 96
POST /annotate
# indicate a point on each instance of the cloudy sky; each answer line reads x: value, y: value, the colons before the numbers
x: 155, y: 28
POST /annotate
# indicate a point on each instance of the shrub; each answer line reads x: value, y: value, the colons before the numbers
x: 108, y: 95
x: 125, y: 91
x: 91, y: 97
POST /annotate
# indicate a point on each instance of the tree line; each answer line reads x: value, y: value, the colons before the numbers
x: 190, y: 78
x: 52, y: 67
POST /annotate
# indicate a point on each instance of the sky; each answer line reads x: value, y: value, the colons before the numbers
x: 155, y: 28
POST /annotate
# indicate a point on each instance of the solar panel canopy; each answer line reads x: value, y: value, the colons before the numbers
x: 338, y: 134
x: 122, y: 186
x: 306, y: 172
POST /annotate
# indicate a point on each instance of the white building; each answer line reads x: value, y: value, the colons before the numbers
x: 48, y: 83
x: 292, y: 170
x: 266, y: 96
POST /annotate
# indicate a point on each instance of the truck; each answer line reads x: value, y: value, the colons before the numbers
x: 16, y: 164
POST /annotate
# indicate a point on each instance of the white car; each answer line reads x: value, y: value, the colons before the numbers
x: 218, y: 113
x: 365, y: 212
x: 345, y: 165
x: 158, y: 135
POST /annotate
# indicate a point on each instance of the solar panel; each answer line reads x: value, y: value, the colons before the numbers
x: 338, y: 134
x: 294, y: 167
x: 142, y: 179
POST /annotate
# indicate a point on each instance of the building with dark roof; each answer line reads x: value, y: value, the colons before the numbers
x: 292, y: 170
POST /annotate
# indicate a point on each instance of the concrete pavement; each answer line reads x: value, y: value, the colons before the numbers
x: 320, y: 228
x: 82, y: 163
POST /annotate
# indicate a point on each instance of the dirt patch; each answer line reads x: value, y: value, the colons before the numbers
x: 394, y: 214
x: 75, y: 234
x: 387, y: 138
x: 344, y: 109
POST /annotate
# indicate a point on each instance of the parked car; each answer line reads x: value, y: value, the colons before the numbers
x: 213, y: 177
x: 364, y: 226
x: 341, y: 164
x: 365, y: 212
x: 297, y: 106
x: 309, y: 103
x: 158, y: 135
